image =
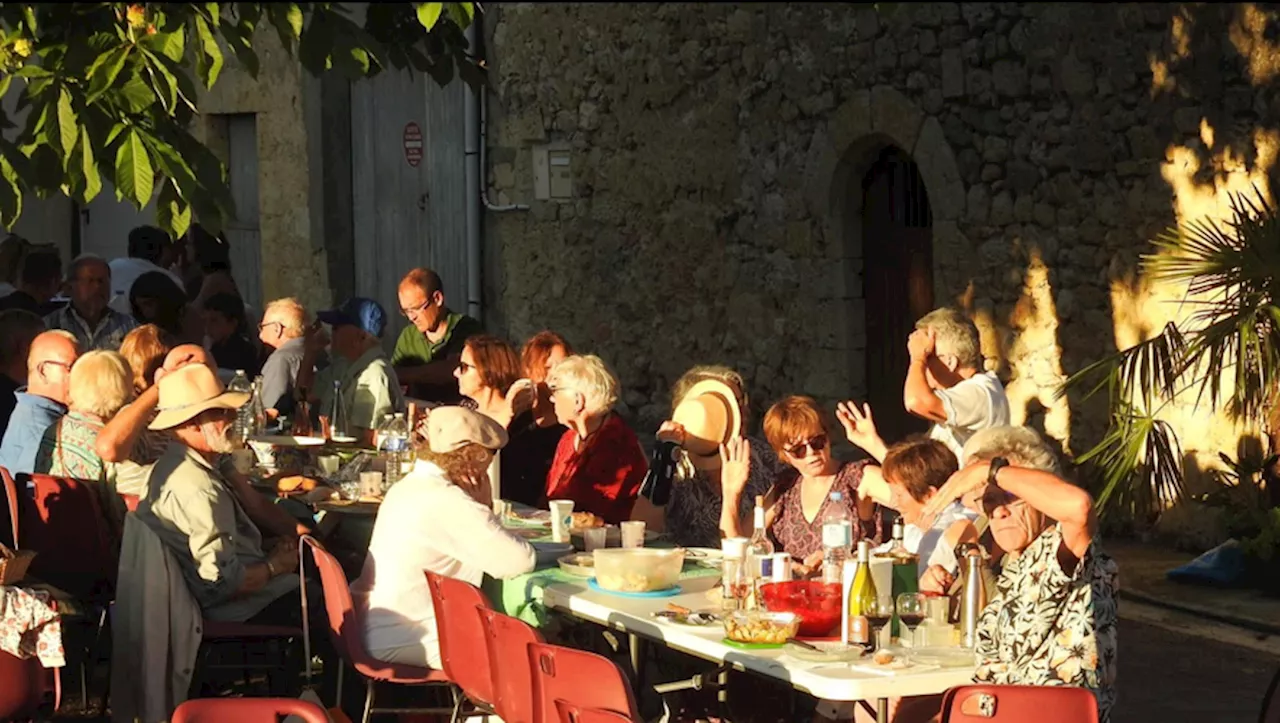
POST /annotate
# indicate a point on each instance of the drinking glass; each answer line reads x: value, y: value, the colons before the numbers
x: 632, y: 533
x: 879, y: 613
x: 912, y: 608
x: 595, y: 538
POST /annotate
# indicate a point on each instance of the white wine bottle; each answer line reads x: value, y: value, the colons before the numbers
x: 862, y: 597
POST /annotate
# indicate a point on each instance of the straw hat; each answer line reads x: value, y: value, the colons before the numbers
x: 710, y: 416
x: 190, y: 390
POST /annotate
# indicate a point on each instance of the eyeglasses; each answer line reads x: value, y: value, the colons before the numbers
x: 993, y: 498
x: 414, y: 311
x: 801, y: 450
x: 64, y: 365
x: 464, y: 367
x: 265, y: 324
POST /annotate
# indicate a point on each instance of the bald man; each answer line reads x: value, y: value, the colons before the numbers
x: 42, y: 402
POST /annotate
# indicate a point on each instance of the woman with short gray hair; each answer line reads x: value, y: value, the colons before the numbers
x: 1053, y: 621
x: 599, y: 463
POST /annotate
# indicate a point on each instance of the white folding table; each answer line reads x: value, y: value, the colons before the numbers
x: 836, y: 682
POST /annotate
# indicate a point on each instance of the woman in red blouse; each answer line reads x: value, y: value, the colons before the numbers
x: 599, y: 463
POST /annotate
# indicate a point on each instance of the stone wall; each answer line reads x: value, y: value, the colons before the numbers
x: 717, y: 150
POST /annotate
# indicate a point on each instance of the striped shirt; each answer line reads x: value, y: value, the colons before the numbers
x: 108, y: 334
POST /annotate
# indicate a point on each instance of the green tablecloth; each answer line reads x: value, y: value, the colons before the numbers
x: 521, y: 597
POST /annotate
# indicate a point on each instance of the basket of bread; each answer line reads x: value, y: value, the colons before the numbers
x: 14, y: 564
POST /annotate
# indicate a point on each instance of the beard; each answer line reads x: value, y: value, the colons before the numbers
x: 218, y: 441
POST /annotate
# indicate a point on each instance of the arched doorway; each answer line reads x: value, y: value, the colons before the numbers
x: 897, y: 243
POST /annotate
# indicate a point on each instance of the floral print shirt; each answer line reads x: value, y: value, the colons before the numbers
x: 693, y: 514
x: 1050, y: 626
x: 801, y: 538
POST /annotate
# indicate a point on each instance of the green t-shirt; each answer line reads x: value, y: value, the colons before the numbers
x: 413, y: 348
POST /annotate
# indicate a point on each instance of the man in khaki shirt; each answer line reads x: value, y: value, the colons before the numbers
x: 192, y: 508
x: 367, y: 384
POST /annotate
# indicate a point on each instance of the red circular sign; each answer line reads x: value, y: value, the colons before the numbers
x: 413, y: 144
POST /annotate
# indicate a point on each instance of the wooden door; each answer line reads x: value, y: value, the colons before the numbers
x: 897, y: 244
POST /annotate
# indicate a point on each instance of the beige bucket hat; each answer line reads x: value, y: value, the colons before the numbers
x: 710, y: 416
x: 190, y: 390
x: 451, y: 428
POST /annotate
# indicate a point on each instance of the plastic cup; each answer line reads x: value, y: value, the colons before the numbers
x: 561, y: 519
x: 633, y: 533
x: 329, y: 464
x: 595, y: 538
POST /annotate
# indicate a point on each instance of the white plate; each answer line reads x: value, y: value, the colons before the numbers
x: 709, y: 556
x: 945, y: 657
x: 580, y: 564
x: 832, y: 652
x: 287, y: 441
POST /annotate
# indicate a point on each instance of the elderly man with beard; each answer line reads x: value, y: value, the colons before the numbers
x: 192, y: 507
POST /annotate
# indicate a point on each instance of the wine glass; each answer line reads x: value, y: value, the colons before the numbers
x: 878, y: 613
x: 912, y: 608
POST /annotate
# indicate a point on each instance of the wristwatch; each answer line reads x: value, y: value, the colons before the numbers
x: 994, y: 468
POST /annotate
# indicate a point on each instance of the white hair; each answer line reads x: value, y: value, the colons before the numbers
x: 1022, y: 446
x: 289, y: 313
x: 588, y: 376
x: 956, y: 334
x: 101, y: 383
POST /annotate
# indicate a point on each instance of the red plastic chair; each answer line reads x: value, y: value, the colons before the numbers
x: 247, y: 710
x: 347, y: 633
x: 464, y: 654
x: 577, y: 678
x: 1019, y: 703
x: 11, y: 500
x: 570, y: 713
x: 76, y: 549
x: 24, y: 685
x: 508, y: 639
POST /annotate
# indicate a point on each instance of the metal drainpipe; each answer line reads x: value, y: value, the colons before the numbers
x: 477, y: 172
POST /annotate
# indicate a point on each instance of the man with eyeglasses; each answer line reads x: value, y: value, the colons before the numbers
x: 283, y: 330
x: 42, y: 402
x: 428, y: 350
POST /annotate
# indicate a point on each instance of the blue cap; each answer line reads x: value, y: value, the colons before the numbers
x: 365, y: 314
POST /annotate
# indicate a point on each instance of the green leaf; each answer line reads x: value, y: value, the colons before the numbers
x: 5, y: 80
x: 89, y: 165
x: 209, y: 62
x: 163, y: 82
x: 172, y: 213
x: 10, y: 194
x: 68, y: 129
x: 215, y: 13
x: 104, y: 71
x: 29, y: 15
x: 135, y: 178
x: 111, y: 136
x: 137, y: 95
x: 429, y: 14
x: 295, y: 20
x: 171, y: 45
x: 462, y: 14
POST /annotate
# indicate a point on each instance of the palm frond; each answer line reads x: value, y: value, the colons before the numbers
x: 1139, y: 375
x: 1141, y: 461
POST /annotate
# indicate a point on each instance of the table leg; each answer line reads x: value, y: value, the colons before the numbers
x: 638, y: 646
x: 882, y: 710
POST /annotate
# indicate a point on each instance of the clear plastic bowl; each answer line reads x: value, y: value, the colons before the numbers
x: 637, y: 569
x: 761, y: 628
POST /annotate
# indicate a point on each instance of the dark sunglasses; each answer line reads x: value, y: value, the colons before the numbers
x: 994, y: 498
x: 817, y: 444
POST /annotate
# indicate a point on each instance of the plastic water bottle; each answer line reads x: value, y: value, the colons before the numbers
x: 393, y: 444
x: 257, y: 411
x: 243, y: 428
x: 404, y: 442
x: 837, y: 538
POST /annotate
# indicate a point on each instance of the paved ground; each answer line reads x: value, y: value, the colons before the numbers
x: 1169, y: 677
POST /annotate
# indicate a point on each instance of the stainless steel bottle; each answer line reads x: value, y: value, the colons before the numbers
x: 973, y: 595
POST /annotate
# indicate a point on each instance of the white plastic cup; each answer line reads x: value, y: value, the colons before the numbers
x: 595, y: 538
x: 561, y: 519
x: 633, y: 533
x: 370, y: 484
x: 329, y: 464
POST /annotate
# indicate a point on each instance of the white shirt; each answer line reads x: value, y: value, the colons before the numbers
x: 124, y: 272
x: 976, y: 403
x: 929, y: 544
x: 428, y: 523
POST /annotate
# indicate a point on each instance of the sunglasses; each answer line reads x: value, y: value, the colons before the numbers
x: 801, y: 450
x: 993, y: 498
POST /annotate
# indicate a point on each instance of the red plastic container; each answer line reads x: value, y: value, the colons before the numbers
x: 818, y: 604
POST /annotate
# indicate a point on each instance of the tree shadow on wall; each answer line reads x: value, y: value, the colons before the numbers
x: 1208, y: 120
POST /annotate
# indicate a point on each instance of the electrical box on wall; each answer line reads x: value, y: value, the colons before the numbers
x: 552, y: 173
